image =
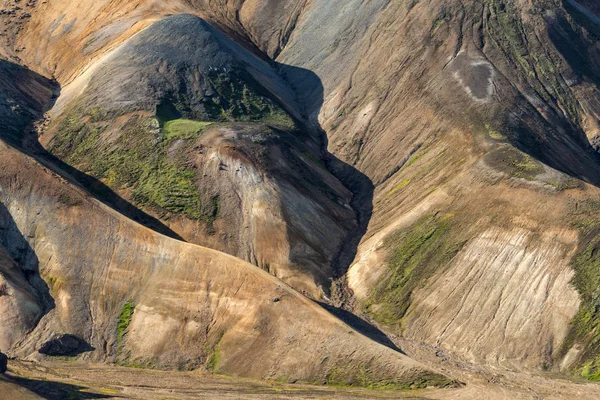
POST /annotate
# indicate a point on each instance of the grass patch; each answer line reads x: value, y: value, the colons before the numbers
x: 494, y: 134
x: 124, y: 319
x: 184, y: 129
x: 213, y: 354
x: 416, y: 157
x: 585, y: 327
x: 441, y: 19
x: 241, y: 98
x: 213, y: 360
x: 139, y: 163
x: 414, y: 255
x: 515, y: 163
x: 363, y: 377
x: 171, y: 188
x: 507, y: 31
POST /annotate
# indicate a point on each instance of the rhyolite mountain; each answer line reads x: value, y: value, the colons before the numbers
x: 251, y: 186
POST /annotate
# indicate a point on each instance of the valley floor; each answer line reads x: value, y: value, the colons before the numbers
x: 75, y: 380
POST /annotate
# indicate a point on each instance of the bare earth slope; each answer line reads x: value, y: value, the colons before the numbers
x: 142, y: 299
x: 462, y: 142
x: 204, y: 308
x: 193, y: 129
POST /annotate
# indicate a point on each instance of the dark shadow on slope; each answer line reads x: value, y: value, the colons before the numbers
x: 361, y: 326
x: 571, y: 153
x: 19, y: 250
x: 19, y: 111
x: 50, y: 390
x: 310, y: 92
x: 310, y: 95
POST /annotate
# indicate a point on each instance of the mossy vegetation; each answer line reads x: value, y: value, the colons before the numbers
x: 514, y: 163
x: 363, y: 377
x: 213, y: 360
x: 415, y: 158
x: 585, y: 327
x: 124, y: 319
x: 213, y: 353
x: 399, y: 186
x: 136, y: 158
x: 138, y: 162
x: 536, y: 64
x: 240, y: 98
x: 184, y: 129
x: 493, y: 133
x: 415, y: 254
x: 442, y: 17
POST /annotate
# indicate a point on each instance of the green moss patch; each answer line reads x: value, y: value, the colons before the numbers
x: 213, y: 360
x: 363, y: 377
x: 514, y: 163
x: 138, y: 162
x: 184, y: 129
x: 241, y: 98
x: 517, y: 43
x: 399, y: 186
x: 139, y: 159
x: 585, y: 327
x: 124, y: 319
x: 414, y: 255
x: 493, y: 133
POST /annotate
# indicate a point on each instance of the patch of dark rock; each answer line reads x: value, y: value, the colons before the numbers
x: 3, y: 363
x: 65, y: 345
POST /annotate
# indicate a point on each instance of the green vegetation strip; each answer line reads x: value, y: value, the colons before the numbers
x: 124, y: 319
x: 414, y: 255
x: 344, y: 377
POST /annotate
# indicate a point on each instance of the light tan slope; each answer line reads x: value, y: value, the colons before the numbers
x: 192, y: 306
x: 429, y: 99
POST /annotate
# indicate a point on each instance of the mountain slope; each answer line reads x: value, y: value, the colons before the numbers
x: 112, y: 281
x: 463, y: 135
x: 188, y: 126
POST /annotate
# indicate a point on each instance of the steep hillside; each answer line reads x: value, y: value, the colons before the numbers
x: 193, y: 129
x: 488, y: 123
x: 437, y: 162
x: 80, y: 278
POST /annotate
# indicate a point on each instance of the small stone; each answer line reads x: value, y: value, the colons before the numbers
x: 3, y: 363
